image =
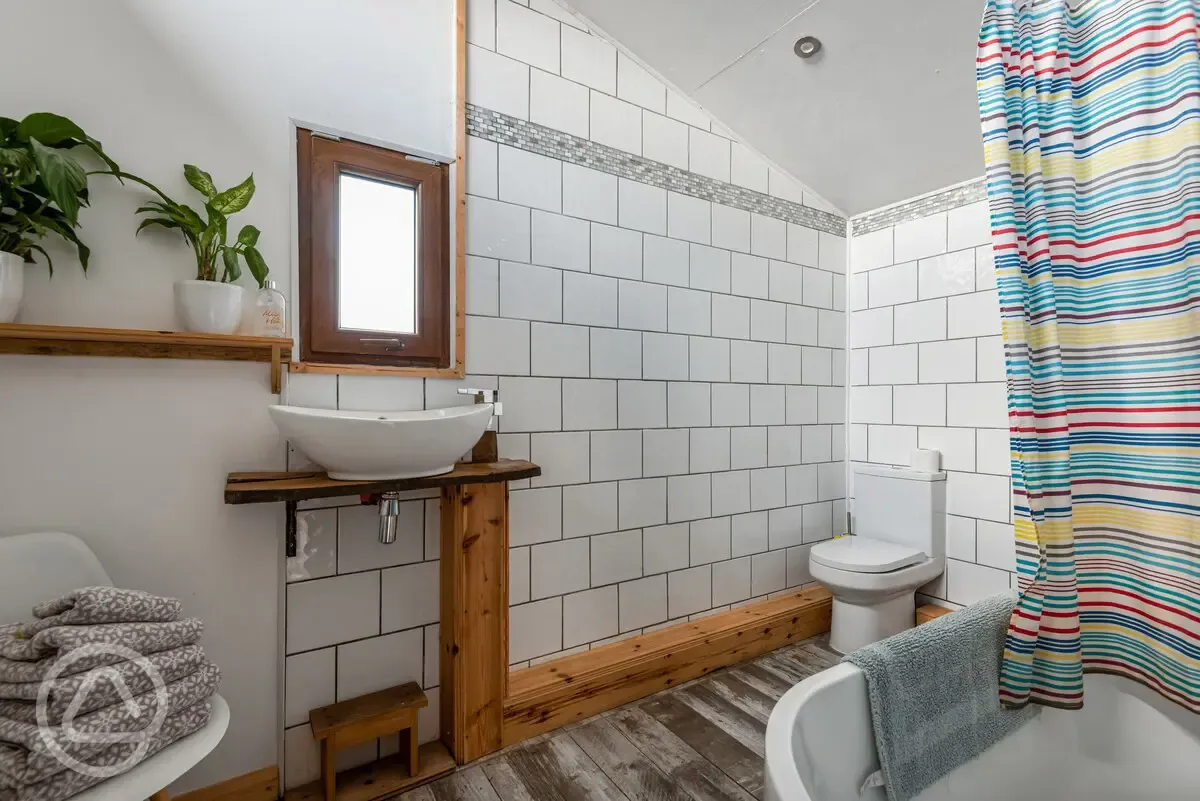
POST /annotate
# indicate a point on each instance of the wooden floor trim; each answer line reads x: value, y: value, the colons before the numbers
x: 566, y: 690
x: 258, y: 785
x: 930, y: 612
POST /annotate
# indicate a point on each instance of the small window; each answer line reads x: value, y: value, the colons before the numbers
x: 374, y: 255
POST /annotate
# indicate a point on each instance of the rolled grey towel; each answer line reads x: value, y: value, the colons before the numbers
x: 26, y: 758
x: 43, y: 648
x: 935, y: 695
x: 102, y: 605
x: 18, y: 700
x: 66, y: 783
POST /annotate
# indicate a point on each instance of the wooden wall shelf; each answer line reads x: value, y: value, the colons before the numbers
x: 291, y: 487
x: 56, y: 340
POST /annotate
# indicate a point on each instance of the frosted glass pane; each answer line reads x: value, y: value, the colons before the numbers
x: 377, y: 256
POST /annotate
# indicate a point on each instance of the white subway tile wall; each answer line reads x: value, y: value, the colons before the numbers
x: 927, y: 370
x: 666, y: 359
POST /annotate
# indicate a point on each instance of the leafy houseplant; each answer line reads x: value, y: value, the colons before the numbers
x: 42, y: 188
x: 212, y: 302
x: 208, y: 238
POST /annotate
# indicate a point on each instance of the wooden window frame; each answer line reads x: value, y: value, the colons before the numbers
x: 323, y: 346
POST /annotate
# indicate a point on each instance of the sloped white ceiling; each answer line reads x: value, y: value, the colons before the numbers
x: 886, y: 111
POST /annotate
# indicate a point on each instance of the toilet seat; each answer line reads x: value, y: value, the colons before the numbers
x: 867, y: 607
x: 864, y: 555
x: 863, y: 587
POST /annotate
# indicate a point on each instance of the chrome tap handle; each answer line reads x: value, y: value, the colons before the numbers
x: 491, y: 396
x: 481, y: 395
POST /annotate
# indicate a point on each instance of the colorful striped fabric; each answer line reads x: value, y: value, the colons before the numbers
x: 1091, y: 125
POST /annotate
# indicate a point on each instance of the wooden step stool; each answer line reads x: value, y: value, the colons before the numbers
x: 368, y: 717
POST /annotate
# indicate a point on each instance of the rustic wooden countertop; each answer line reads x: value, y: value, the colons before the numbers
x: 275, y: 487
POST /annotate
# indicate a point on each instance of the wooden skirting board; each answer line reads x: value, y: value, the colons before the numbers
x: 569, y: 689
x: 930, y: 612
x: 259, y: 785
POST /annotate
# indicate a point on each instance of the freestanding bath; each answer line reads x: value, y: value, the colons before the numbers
x: 1126, y: 743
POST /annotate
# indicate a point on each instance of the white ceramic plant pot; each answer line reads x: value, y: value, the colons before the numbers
x: 208, y: 307
x: 12, y: 285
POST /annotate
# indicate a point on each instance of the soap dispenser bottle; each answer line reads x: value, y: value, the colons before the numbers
x: 270, y: 312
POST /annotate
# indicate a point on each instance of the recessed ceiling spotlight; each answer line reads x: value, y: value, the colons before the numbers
x: 807, y: 47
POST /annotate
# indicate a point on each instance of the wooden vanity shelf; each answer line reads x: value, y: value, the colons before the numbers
x: 302, y: 486
x: 473, y: 630
x: 58, y: 340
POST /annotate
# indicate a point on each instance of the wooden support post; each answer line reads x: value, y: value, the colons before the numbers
x: 474, y: 628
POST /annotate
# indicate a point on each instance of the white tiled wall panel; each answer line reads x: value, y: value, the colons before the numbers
x: 927, y: 370
x: 666, y: 359
x: 557, y: 103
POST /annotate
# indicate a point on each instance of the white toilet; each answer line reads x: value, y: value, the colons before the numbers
x: 898, y: 545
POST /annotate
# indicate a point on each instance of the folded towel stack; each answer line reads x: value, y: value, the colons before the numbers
x: 74, y: 702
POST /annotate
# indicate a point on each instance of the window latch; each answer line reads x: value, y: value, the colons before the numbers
x: 389, y: 343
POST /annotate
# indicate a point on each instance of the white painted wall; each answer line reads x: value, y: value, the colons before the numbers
x: 131, y: 455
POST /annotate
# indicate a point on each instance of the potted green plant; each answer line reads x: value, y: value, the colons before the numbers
x: 42, y: 188
x: 212, y: 302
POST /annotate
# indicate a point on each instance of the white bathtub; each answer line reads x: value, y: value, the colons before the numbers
x: 1126, y: 743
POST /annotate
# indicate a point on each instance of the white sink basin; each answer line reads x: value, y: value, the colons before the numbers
x: 378, y: 446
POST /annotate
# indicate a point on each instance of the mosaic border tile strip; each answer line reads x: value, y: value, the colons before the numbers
x: 503, y: 129
x: 944, y: 200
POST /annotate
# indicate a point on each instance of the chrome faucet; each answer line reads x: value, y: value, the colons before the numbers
x: 389, y: 502
x: 491, y: 396
x: 486, y: 450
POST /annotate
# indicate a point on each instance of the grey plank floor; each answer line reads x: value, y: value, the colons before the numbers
x: 701, y: 741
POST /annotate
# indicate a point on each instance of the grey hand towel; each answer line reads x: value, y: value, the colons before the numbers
x: 18, y: 700
x: 42, y: 648
x: 66, y: 783
x: 934, y: 694
x: 25, y: 757
x: 91, y: 605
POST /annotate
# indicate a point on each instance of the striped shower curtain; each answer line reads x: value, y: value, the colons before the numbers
x: 1091, y: 124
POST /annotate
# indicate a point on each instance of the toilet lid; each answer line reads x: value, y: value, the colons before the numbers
x: 862, y: 555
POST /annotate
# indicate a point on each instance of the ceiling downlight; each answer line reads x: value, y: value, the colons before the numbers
x: 807, y: 46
